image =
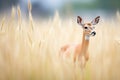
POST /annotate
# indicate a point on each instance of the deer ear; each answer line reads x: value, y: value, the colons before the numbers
x: 79, y: 20
x: 96, y: 20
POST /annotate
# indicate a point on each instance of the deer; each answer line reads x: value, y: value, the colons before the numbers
x: 80, y: 51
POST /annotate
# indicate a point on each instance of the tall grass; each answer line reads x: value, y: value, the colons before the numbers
x: 29, y: 50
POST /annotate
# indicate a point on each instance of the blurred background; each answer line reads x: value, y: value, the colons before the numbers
x: 47, y: 8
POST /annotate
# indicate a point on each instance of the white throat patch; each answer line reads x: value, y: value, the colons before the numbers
x: 87, y: 37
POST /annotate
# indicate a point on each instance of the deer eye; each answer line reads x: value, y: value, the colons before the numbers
x: 86, y: 27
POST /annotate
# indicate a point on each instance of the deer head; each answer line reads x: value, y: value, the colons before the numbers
x: 88, y: 28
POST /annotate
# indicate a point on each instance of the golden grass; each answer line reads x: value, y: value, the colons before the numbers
x: 29, y: 51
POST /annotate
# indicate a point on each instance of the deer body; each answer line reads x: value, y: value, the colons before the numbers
x: 80, y: 51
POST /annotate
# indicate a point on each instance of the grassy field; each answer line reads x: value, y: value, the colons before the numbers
x: 29, y: 49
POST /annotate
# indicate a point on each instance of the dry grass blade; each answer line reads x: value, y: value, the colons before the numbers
x: 19, y: 17
x: 29, y: 6
x: 118, y: 15
x: 2, y: 23
x: 30, y: 39
x: 13, y: 12
x: 30, y: 15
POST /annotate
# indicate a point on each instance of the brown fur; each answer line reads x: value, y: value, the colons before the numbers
x: 79, y: 50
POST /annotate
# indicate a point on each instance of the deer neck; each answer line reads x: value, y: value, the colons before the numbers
x: 85, y: 43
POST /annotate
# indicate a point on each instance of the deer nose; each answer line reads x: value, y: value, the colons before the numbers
x: 93, y: 33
